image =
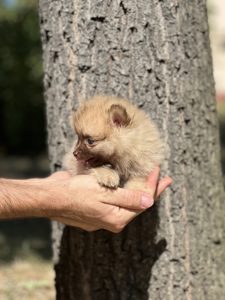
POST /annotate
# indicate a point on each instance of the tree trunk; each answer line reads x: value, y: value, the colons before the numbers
x: 157, y: 54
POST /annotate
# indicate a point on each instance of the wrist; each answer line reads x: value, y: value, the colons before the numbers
x: 41, y: 195
x: 53, y: 196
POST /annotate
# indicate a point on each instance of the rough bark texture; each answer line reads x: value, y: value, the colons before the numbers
x: 156, y: 53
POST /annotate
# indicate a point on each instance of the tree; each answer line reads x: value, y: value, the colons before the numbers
x: 156, y: 53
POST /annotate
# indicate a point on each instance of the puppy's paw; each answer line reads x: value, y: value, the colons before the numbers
x: 109, y: 181
x: 106, y: 177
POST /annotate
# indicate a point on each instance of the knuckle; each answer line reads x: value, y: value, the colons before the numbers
x: 115, y: 222
x: 132, y: 198
x: 128, y: 197
x: 90, y: 229
x: 118, y: 227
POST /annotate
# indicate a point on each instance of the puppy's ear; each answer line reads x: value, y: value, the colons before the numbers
x: 119, y: 116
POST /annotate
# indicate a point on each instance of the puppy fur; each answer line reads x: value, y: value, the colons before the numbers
x: 116, y: 142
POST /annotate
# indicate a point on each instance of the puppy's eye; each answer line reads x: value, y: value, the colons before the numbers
x: 90, y: 141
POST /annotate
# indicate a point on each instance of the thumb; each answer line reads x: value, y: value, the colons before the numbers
x: 130, y: 199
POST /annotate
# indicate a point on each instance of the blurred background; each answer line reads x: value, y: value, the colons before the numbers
x: 25, y: 245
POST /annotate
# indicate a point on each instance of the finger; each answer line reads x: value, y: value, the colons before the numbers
x: 60, y: 175
x: 152, y: 180
x: 73, y: 223
x: 163, y: 184
x: 129, y: 199
x: 119, y: 218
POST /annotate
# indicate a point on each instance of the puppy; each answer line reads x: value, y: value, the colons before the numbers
x: 116, y: 142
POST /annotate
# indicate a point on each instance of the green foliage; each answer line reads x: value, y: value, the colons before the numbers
x: 22, y: 120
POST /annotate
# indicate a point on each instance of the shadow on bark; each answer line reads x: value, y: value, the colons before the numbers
x: 105, y: 266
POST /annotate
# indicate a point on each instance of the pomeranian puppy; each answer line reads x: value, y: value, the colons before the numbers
x: 116, y: 142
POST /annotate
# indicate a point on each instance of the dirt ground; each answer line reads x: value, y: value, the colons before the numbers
x: 27, y: 280
x: 26, y: 270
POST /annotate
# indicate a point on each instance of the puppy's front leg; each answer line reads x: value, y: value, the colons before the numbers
x: 106, y: 176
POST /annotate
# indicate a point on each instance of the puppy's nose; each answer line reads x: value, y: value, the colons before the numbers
x: 76, y: 153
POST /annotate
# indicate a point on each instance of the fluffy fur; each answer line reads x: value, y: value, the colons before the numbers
x: 116, y: 142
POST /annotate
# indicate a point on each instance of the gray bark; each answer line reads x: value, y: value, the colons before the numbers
x: 157, y: 54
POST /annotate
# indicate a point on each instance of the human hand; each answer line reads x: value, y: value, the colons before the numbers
x: 79, y: 201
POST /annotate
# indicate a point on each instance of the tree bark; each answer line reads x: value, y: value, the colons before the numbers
x: 157, y: 54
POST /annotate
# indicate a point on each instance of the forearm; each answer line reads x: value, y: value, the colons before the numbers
x: 22, y: 198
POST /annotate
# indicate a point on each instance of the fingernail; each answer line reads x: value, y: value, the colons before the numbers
x: 146, y: 201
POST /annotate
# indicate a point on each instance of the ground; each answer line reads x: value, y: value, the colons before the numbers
x: 27, y: 280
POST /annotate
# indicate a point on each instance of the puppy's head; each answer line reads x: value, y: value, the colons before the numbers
x: 98, y: 129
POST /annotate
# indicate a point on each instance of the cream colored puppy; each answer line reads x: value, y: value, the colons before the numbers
x: 116, y: 142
